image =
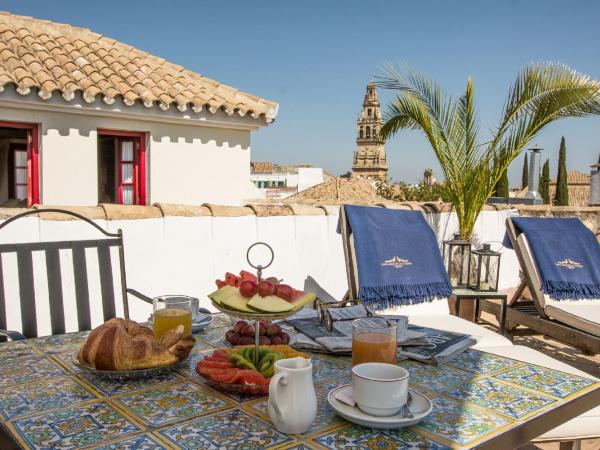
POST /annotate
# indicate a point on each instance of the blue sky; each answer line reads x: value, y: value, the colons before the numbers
x: 315, y: 57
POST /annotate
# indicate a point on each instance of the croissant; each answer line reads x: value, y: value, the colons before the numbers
x: 122, y: 344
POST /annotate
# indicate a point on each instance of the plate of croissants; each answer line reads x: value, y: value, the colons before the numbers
x: 125, y: 349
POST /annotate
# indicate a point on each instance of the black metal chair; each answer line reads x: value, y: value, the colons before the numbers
x: 25, y: 269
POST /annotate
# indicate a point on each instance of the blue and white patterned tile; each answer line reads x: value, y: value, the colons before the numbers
x: 59, y: 343
x: 502, y: 398
x: 325, y: 420
x: 437, y: 378
x: 548, y: 381
x: 109, y: 387
x: 17, y: 349
x: 459, y: 422
x: 27, y: 369
x: 73, y: 427
x: 224, y: 430
x: 143, y: 442
x: 41, y: 396
x: 360, y: 438
x: 167, y: 404
x: 326, y: 367
x: 213, y: 336
x: 330, y: 385
x: 481, y: 363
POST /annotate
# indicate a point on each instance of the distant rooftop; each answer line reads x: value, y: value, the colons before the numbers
x: 336, y: 191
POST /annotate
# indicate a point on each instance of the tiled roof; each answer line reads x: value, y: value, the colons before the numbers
x: 578, y: 185
x: 337, y: 191
x: 59, y: 59
x: 575, y: 177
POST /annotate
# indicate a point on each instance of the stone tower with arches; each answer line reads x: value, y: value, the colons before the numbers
x: 370, y: 161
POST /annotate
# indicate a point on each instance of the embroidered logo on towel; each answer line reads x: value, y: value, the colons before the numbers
x: 569, y: 264
x: 396, y: 262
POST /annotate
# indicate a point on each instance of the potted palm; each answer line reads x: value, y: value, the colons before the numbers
x: 472, y: 164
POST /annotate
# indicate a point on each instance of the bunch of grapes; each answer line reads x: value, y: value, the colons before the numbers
x: 243, y: 333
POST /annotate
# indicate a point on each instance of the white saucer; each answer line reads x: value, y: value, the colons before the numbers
x: 420, y: 407
x: 204, y: 321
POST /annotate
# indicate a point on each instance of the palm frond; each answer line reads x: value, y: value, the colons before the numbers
x: 541, y: 94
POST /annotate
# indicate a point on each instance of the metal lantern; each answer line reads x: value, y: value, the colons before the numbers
x: 457, y: 253
x: 484, y: 274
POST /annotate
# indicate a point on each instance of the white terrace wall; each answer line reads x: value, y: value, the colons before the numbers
x: 182, y: 250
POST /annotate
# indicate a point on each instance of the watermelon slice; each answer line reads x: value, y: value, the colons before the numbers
x: 303, y: 301
x: 247, y: 276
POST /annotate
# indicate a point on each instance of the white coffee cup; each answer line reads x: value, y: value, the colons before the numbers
x: 379, y: 389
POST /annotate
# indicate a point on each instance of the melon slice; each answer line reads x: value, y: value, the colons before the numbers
x: 223, y: 293
x: 269, y: 304
x: 236, y: 302
x: 303, y: 301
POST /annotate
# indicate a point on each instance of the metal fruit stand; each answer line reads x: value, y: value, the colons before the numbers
x: 258, y: 316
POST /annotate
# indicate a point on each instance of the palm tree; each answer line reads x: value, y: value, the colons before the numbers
x: 472, y: 165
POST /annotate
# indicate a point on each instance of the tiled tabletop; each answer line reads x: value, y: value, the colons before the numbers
x: 46, y: 402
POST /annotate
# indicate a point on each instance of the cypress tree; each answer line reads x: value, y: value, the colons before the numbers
x: 545, y: 182
x: 525, y: 176
x: 561, y: 198
x: 501, y: 188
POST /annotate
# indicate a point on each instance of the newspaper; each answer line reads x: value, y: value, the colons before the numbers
x: 315, y: 337
x: 423, y: 344
x: 441, y: 346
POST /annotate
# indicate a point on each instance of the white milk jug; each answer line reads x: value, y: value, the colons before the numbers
x: 292, y: 398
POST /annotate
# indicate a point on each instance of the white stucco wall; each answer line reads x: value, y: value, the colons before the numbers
x: 184, y: 255
x: 191, y: 162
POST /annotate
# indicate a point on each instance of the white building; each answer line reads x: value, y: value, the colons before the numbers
x: 280, y: 181
x: 85, y: 119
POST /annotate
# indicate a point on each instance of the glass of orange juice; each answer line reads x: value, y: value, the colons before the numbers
x: 171, y: 311
x: 373, y: 340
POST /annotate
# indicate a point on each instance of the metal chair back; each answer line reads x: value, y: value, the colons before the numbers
x: 54, y: 269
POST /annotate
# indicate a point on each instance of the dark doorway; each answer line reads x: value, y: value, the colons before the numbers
x: 107, y: 169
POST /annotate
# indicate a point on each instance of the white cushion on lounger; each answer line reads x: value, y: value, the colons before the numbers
x: 587, y: 425
x: 581, y: 314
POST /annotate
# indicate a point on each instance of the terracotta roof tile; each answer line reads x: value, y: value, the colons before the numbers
x: 51, y: 57
x: 337, y: 191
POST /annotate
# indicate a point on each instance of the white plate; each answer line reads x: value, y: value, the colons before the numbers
x: 420, y: 407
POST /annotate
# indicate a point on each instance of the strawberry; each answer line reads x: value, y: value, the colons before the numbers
x: 220, y: 283
x: 247, y: 276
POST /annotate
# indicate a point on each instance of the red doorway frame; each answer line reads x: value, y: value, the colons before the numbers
x: 141, y: 176
x: 33, y: 150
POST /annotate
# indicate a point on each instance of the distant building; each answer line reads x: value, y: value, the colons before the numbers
x: 370, y: 161
x: 578, y: 185
x: 85, y: 119
x: 275, y: 181
x: 428, y: 178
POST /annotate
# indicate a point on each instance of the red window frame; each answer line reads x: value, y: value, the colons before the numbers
x: 33, y: 173
x: 139, y: 163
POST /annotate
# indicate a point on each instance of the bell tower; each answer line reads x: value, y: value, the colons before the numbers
x: 370, y: 161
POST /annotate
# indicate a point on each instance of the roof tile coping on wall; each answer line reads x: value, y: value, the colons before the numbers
x: 89, y: 212
x: 169, y: 209
x: 229, y: 211
x: 261, y: 210
x: 126, y: 212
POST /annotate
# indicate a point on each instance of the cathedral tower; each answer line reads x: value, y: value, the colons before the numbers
x: 370, y: 161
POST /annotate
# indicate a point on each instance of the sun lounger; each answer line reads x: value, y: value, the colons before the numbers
x: 576, y: 322
x: 436, y: 314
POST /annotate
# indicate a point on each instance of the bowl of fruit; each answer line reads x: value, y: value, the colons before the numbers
x: 243, y: 370
x: 247, y: 297
x: 243, y: 333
